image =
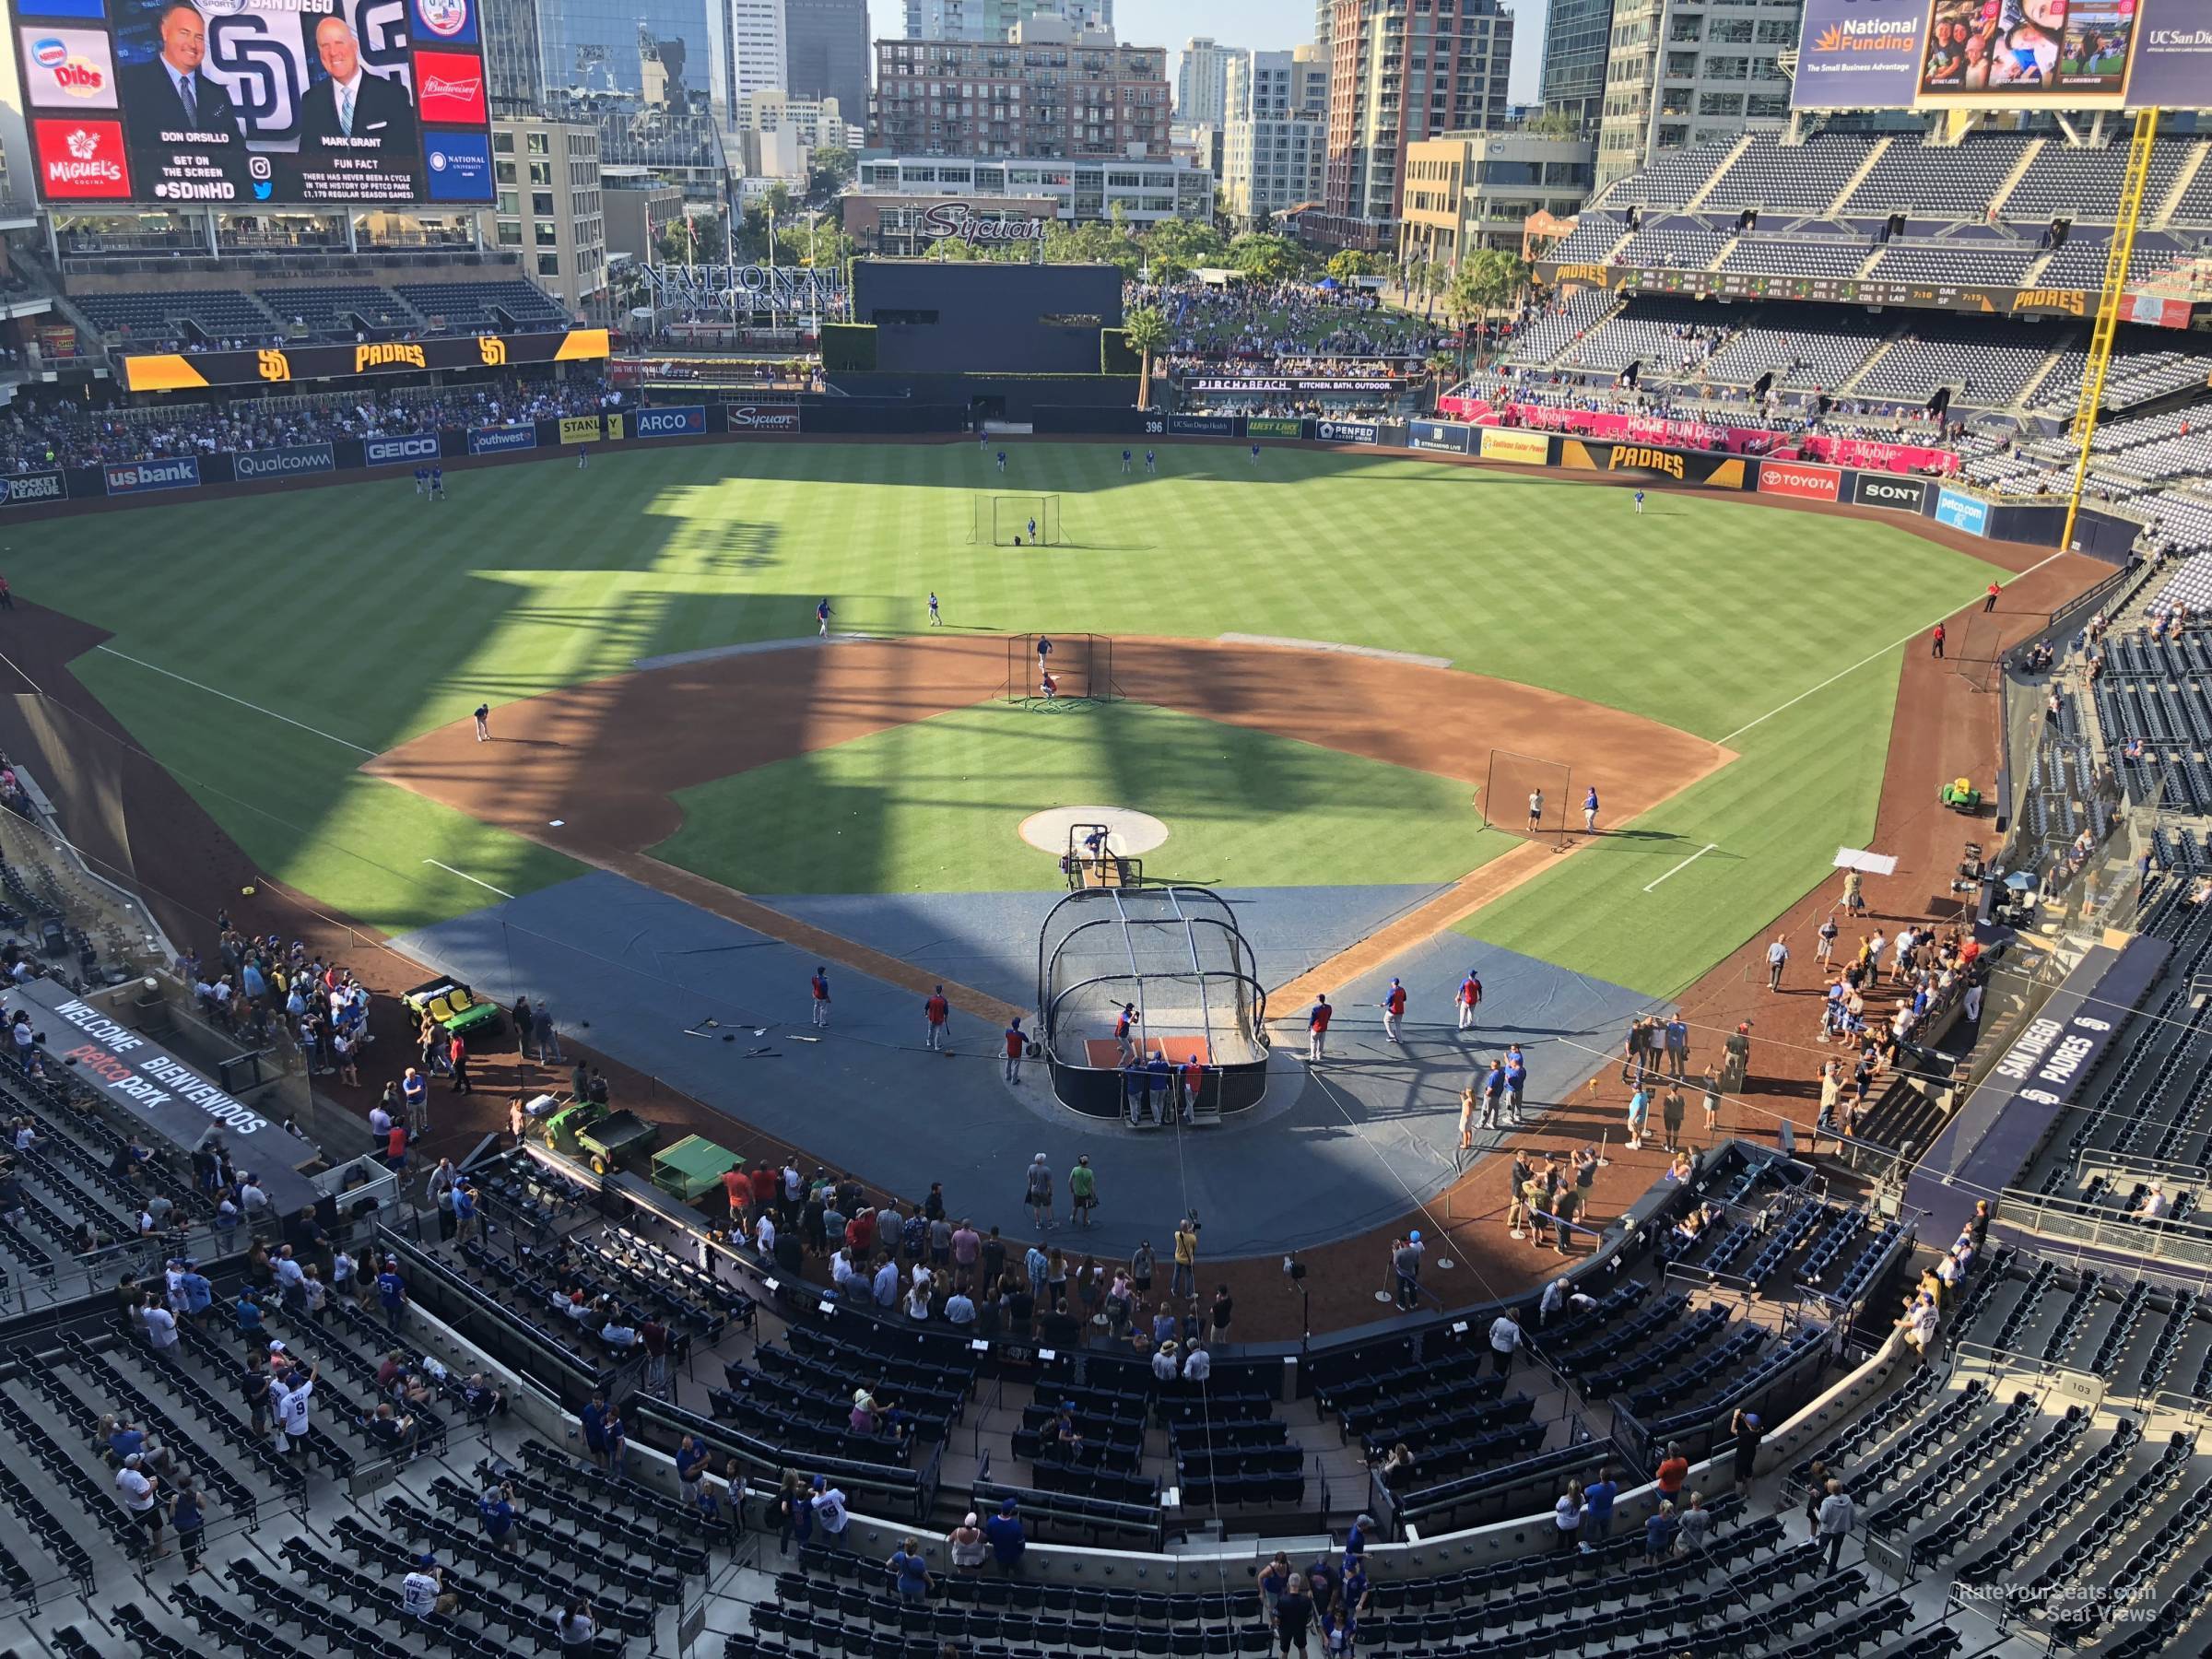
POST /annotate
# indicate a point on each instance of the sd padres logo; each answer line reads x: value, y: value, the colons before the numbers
x: 444, y: 19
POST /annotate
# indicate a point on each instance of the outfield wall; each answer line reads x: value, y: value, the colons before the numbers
x: 2040, y: 523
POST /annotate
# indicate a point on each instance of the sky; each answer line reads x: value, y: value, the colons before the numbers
x: 1260, y: 25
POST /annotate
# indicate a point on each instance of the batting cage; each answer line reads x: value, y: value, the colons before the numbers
x: 1175, y: 957
x: 1009, y: 520
x: 1526, y: 795
x: 1081, y: 666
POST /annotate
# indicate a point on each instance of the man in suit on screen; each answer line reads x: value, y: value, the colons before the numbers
x: 353, y: 110
x: 172, y: 102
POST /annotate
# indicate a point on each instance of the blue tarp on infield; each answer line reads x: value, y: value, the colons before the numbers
x: 1319, y: 1160
x: 989, y: 940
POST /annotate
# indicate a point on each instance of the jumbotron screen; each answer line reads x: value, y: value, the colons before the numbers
x: 234, y: 102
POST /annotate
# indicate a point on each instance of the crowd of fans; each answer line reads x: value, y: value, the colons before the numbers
x: 1274, y: 320
x: 933, y: 1267
x: 66, y: 433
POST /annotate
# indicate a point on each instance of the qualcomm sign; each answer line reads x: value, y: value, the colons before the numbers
x: 284, y: 463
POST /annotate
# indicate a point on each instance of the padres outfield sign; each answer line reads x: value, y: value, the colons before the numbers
x: 174, y: 372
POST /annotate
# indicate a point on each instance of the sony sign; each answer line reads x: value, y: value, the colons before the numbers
x: 958, y: 218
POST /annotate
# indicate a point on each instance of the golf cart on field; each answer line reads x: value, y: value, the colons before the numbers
x: 453, y: 1006
x: 604, y: 1137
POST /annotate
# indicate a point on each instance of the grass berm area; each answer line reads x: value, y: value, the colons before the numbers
x: 364, y: 616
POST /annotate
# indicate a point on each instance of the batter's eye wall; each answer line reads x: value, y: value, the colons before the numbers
x: 933, y: 318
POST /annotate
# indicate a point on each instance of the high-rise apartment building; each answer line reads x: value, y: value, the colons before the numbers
x: 1201, y: 81
x: 1276, y: 83
x: 1270, y: 163
x: 1685, y: 72
x: 514, y: 64
x: 1276, y: 139
x: 1576, y: 42
x: 1051, y: 90
x: 990, y: 20
x: 1401, y: 71
x: 826, y: 53
x: 745, y: 40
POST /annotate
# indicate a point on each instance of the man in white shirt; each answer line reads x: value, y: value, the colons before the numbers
x: 160, y: 1327
x: 135, y: 1490
x: 959, y: 1309
x: 1505, y: 1336
x: 1197, y: 1365
x: 2154, y: 1203
x: 828, y: 1506
x: 764, y: 1234
x: 1164, y: 1364
x: 291, y: 1413
x: 423, y: 1593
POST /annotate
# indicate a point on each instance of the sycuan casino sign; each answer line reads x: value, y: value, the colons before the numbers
x: 958, y: 218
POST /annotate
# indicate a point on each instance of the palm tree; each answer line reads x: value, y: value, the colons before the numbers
x: 1146, y: 328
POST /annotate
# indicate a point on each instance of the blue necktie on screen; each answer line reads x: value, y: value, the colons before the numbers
x: 189, y: 86
x: 346, y: 111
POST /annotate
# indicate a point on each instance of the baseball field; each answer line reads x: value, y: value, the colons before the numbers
x: 1723, y: 672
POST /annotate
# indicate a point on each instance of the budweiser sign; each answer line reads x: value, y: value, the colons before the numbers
x: 957, y: 219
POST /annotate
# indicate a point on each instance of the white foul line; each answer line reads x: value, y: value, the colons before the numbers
x: 1685, y: 865
x: 1862, y: 663
x: 465, y: 875
x: 241, y: 701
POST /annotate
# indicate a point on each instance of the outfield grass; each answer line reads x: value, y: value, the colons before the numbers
x: 369, y: 616
x: 934, y: 806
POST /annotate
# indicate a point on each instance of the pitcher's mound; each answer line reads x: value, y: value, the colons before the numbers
x: 1127, y: 832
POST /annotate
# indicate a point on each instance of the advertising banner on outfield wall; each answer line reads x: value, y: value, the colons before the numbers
x: 1503, y: 444
x: 498, y: 440
x: 580, y: 429
x: 1440, y: 435
x: 1346, y: 432
x: 20, y: 490
x: 1684, y: 466
x: 396, y: 452
x: 750, y: 420
x: 294, y: 462
x: 1273, y: 426
x: 1203, y: 426
x: 1801, y: 479
x: 1962, y: 511
x: 136, y: 478
x: 1879, y: 489
x: 689, y: 422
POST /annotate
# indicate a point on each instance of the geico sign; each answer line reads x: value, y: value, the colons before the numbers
x: 958, y: 218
